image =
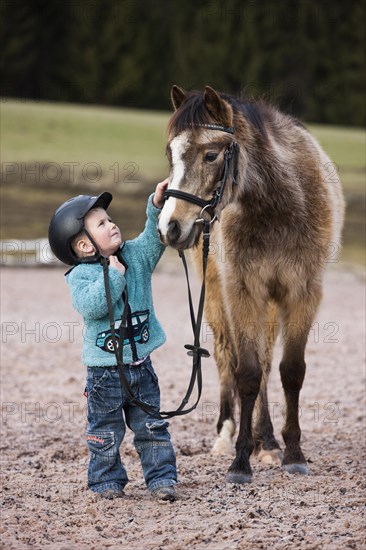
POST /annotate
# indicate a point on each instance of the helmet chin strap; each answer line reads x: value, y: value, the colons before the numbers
x: 97, y: 256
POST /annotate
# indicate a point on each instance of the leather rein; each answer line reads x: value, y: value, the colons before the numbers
x: 195, y: 350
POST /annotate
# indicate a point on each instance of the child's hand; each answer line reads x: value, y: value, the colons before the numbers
x: 113, y: 262
x: 158, y: 198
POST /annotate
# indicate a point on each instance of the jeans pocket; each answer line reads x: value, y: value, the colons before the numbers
x: 150, y: 369
x: 104, y: 392
x: 101, y: 443
x: 149, y: 391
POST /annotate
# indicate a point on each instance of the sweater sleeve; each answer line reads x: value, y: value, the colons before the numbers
x: 148, y: 242
x: 88, y: 292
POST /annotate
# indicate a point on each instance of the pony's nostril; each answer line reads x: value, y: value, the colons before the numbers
x: 173, y: 231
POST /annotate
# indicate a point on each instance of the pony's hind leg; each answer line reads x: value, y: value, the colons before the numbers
x: 225, y: 360
x: 266, y: 447
x: 292, y: 369
x: 297, y: 323
x: 224, y: 356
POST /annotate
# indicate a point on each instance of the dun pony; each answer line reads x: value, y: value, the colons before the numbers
x: 275, y: 231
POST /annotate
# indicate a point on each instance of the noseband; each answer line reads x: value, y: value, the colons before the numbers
x: 231, y: 155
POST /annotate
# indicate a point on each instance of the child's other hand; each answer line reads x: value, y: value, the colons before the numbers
x: 113, y: 262
x: 158, y: 198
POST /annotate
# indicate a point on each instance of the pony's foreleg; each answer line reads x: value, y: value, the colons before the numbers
x: 247, y: 315
x: 248, y: 380
x: 297, y: 322
x: 265, y: 444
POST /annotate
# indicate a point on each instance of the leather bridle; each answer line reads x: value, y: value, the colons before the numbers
x: 231, y: 155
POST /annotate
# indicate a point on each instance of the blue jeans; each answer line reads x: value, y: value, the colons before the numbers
x: 109, y: 410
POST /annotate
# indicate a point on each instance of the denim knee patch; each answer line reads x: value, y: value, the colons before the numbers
x: 156, y: 451
x: 156, y: 427
x: 155, y: 434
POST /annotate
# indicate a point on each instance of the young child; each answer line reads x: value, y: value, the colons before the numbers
x: 80, y: 233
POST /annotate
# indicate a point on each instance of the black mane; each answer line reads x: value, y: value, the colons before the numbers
x: 252, y: 111
x: 193, y: 112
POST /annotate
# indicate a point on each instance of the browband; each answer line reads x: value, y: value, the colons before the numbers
x: 228, y: 130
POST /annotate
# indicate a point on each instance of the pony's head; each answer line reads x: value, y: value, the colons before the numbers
x: 200, y: 136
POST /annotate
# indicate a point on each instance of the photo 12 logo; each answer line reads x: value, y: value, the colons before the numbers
x: 71, y: 173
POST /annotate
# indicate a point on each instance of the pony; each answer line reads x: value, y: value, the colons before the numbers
x: 278, y: 217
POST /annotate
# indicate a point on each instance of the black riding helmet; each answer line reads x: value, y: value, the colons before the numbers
x: 68, y: 221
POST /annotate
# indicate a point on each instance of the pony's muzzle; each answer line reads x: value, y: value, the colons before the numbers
x: 173, y: 232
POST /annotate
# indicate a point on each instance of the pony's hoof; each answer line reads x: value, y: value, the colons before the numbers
x: 273, y: 456
x: 238, y: 477
x: 296, y: 469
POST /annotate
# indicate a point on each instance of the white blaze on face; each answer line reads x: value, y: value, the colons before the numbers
x: 178, y: 146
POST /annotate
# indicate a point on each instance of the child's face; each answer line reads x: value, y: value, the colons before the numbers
x: 104, y: 232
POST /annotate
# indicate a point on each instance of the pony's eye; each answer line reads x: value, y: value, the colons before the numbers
x: 210, y: 157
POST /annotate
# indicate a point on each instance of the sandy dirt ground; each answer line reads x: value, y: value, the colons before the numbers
x: 45, y: 502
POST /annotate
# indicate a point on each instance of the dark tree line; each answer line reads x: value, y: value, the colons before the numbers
x: 307, y: 56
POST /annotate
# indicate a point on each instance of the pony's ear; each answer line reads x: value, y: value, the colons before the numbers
x: 178, y: 96
x: 220, y: 110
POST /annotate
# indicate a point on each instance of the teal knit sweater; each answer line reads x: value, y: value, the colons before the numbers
x: 86, y: 284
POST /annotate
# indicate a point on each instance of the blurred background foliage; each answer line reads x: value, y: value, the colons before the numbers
x: 306, y: 56
x: 85, y: 88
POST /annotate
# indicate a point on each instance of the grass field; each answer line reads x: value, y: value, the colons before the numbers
x: 51, y: 151
x: 67, y: 133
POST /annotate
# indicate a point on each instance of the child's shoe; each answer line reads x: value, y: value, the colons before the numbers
x: 164, y: 494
